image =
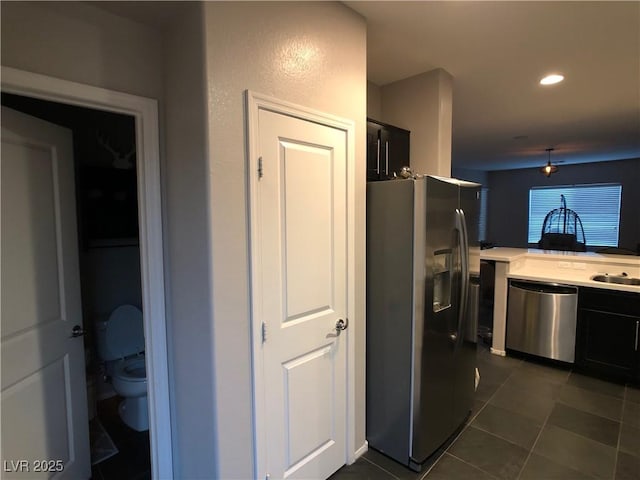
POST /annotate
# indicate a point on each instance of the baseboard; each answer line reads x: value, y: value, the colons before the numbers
x: 361, y: 451
x: 495, y: 351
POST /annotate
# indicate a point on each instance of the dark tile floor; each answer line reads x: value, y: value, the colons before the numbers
x: 532, y: 421
x: 133, y: 460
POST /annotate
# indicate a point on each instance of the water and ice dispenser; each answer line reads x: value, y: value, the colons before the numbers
x: 442, y: 266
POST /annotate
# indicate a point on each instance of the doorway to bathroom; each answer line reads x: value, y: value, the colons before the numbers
x: 120, y: 251
x: 109, y: 260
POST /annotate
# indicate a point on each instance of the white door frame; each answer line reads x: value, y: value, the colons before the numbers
x: 145, y: 112
x: 254, y: 103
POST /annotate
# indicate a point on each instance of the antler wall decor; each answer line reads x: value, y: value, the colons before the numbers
x: 121, y: 161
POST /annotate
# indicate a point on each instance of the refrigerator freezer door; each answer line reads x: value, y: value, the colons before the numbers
x: 390, y: 215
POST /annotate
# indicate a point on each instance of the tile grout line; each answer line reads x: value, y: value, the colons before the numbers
x: 466, y: 427
x: 380, y: 467
x: 624, y: 403
x: 599, y: 394
x: 472, y: 465
x: 503, y: 438
x: 544, y: 424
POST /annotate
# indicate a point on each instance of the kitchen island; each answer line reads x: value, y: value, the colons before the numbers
x: 568, y: 268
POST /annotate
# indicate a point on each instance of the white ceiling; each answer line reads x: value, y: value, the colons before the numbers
x: 497, y: 52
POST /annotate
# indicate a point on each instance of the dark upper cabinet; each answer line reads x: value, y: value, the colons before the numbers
x: 608, y: 328
x: 387, y: 150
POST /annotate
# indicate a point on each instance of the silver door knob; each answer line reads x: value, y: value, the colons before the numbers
x: 77, y: 331
x: 341, y: 325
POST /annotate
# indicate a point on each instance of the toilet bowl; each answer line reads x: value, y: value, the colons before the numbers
x: 121, y: 347
x: 129, y: 379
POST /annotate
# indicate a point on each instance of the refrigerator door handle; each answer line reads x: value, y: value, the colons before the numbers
x: 461, y: 227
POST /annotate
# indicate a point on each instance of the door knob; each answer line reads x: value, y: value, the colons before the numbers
x: 341, y: 325
x: 77, y: 331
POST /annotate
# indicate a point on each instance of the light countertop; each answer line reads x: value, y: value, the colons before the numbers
x: 508, y: 254
x: 502, y: 254
x: 569, y: 268
x: 574, y: 268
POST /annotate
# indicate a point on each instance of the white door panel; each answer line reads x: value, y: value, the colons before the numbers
x: 308, y: 187
x: 302, y: 280
x: 44, y: 405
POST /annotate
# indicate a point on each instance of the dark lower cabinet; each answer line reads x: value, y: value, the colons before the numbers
x: 608, y: 330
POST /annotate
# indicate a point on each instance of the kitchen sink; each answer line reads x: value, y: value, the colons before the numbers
x: 622, y: 280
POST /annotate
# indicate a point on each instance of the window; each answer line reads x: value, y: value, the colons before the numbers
x: 484, y: 199
x: 597, y: 205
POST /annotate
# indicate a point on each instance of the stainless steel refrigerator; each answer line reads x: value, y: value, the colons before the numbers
x: 422, y: 255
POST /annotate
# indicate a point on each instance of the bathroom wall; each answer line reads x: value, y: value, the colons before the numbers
x: 110, y: 277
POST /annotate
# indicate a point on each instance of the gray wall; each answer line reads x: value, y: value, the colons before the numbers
x: 478, y: 176
x: 247, y: 47
x: 374, y: 101
x: 76, y: 41
x: 509, y: 198
x: 187, y: 218
x: 423, y: 105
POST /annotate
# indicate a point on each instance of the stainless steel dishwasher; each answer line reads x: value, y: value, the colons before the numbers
x: 541, y: 319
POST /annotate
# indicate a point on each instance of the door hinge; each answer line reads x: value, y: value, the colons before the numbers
x: 260, y: 173
x: 264, y: 332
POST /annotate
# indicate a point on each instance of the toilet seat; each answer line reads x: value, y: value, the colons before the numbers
x: 131, y: 370
x: 120, y: 343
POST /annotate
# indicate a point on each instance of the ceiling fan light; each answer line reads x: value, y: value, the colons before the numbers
x: 548, y: 169
x: 552, y: 79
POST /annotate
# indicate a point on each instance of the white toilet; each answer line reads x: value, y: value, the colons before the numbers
x: 120, y: 341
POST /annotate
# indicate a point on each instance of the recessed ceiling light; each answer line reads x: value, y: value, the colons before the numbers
x: 552, y: 79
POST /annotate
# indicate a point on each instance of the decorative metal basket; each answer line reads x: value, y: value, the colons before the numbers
x: 562, y: 230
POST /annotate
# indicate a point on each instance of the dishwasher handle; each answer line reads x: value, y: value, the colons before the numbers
x: 551, y: 288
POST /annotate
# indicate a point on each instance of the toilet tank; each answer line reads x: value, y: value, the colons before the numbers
x: 120, y: 335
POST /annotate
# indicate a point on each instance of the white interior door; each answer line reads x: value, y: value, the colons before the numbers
x: 45, y: 431
x: 300, y: 275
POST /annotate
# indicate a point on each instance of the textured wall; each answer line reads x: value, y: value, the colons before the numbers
x: 198, y: 68
x: 76, y: 41
x: 187, y: 229
x: 312, y: 54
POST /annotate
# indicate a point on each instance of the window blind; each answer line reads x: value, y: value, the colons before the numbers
x: 597, y: 205
x: 484, y: 199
